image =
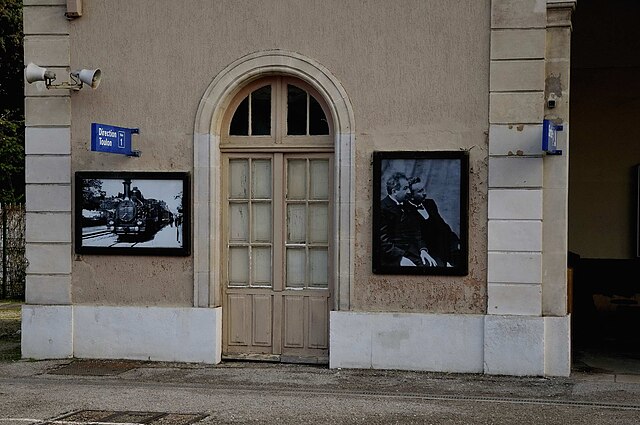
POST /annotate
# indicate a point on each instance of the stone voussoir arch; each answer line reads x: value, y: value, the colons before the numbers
x: 207, y: 179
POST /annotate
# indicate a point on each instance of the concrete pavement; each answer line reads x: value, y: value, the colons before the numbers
x: 117, y: 392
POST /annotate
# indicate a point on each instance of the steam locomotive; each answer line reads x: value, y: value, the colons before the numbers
x: 134, y: 215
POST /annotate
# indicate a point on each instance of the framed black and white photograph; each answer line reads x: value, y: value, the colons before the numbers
x: 137, y: 213
x: 420, y: 203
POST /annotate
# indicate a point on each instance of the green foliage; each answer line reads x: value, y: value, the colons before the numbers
x: 11, y: 58
x: 92, y: 194
x: 11, y: 159
x: 11, y: 102
x: 14, y: 263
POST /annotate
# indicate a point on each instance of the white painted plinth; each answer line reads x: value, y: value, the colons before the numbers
x: 557, y: 346
x: 527, y: 345
x: 429, y: 342
x: 493, y: 344
x: 138, y: 333
x: 148, y: 333
x: 514, y: 345
x: 47, y: 332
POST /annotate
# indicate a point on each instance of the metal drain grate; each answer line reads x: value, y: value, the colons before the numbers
x: 109, y: 417
x: 96, y: 367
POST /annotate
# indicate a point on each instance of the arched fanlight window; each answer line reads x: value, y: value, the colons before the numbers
x: 305, y: 116
x: 277, y: 110
x: 253, y: 115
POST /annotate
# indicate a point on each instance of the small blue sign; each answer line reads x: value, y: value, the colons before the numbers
x: 550, y: 137
x: 112, y: 139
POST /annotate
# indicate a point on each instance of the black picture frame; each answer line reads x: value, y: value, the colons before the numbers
x: 402, y: 232
x: 132, y: 213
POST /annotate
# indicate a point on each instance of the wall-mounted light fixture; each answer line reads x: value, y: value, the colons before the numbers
x: 77, y: 79
x: 74, y: 9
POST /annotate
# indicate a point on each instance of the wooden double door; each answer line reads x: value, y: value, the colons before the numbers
x: 277, y: 259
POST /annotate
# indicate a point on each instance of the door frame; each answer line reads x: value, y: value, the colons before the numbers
x: 278, y: 290
x: 207, y: 171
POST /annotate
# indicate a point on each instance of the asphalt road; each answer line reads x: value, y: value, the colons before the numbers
x: 262, y: 393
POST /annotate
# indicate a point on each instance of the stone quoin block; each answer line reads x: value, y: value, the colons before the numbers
x: 515, y: 140
x: 47, y: 51
x: 48, y: 289
x: 49, y: 258
x: 518, y: 13
x: 515, y: 235
x: 516, y: 204
x: 518, y: 44
x: 516, y: 75
x: 515, y: 171
x: 48, y: 197
x: 515, y: 267
x: 522, y: 299
x: 42, y: 111
x: 48, y: 169
x: 45, y: 2
x: 519, y: 107
x: 48, y: 227
x: 47, y: 140
x: 45, y: 20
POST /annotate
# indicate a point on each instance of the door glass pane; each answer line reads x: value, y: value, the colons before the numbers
x: 238, y: 222
x: 261, y: 229
x: 319, y: 179
x: 318, y: 223
x: 240, y: 121
x: 318, y: 124
x: 297, y: 179
x: 296, y: 260
x: 296, y: 111
x: 261, y: 266
x: 296, y: 223
x: 238, y: 178
x: 261, y: 179
x: 261, y: 111
x: 238, y: 266
x: 318, y: 267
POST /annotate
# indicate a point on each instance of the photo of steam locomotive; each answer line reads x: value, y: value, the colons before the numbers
x: 125, y: 212
x: 134, y: 216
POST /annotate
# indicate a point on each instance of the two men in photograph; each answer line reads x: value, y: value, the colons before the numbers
x: 412, y: 232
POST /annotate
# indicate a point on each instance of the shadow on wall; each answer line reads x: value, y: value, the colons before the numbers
x: 606, y: 302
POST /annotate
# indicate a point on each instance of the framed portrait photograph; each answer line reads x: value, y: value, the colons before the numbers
x: 420, y: 207
x: 135, y: 213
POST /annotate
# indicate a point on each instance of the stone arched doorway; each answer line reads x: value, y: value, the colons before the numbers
x: 207, y: 179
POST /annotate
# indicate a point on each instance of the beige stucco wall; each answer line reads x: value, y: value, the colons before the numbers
x: 416, y: 73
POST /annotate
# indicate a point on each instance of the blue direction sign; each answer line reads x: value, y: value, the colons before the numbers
x: 112, y: 139
x: 550, y: 137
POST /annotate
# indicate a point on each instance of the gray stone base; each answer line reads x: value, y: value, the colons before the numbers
x: 138, y: 333
x: 501, y: 345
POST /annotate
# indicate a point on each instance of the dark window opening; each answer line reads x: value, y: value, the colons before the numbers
x: 318, y: 125
x: 240, y: 121
x: 296, y: 111
x: 261, y: 111
x: 256, y: 106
